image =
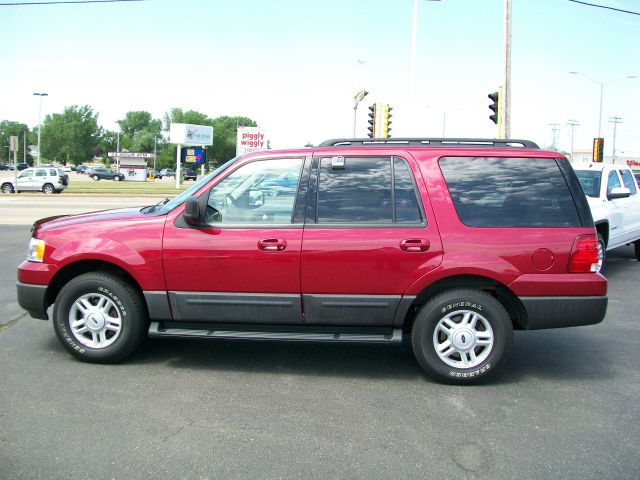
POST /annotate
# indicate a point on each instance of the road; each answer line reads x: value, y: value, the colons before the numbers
x: 565, y: 407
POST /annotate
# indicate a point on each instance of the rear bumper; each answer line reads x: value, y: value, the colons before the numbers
x: 560, y: 312
x: 33, y: 299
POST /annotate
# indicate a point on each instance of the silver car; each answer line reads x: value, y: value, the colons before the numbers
x: 42, y: 179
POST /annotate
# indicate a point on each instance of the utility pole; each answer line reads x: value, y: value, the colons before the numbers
x: 506, y: 97
x: 615, y: 121
x: 572, y: 123
x: 555, y: 128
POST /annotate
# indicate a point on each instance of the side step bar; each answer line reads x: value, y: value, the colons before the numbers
x: 156, y: 330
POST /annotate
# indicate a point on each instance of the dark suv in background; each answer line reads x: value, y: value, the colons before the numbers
x: 451, y: 243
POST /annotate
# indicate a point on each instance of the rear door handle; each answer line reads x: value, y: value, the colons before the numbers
x: 414, y: 245
x: 272, y: 244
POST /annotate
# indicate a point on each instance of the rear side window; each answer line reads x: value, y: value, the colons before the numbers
x: 509, y: 192
x: 613, y: 181
x: 629, y: 181
x: 366, y: 190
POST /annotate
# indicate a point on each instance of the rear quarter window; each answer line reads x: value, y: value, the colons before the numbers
x: 509, y: 192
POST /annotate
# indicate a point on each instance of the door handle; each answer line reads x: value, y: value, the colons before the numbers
x: 414, y: 245
x: 272, y: 244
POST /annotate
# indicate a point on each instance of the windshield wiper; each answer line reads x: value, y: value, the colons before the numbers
x: 153, y: 208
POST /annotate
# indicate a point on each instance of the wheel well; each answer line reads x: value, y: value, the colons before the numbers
x: 506, y: 297
x: 603, y: 229
x: 73, y: 270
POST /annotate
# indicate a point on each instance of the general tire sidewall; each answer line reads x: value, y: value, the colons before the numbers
x: 434, y: 311
x: 130, y: 330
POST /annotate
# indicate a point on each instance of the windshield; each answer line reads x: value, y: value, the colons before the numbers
x: 590, y: 181
x: 179, y: 200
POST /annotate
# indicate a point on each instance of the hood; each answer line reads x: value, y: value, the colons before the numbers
x: 91, y: 217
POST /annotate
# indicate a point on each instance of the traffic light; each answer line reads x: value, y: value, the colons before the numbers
x: 372, y: 120
x: 386, y: 121
x: 495, y: 106
x: 598, y: 148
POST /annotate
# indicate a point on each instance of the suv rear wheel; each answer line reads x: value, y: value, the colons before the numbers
x: 48, y: 189
x: 99, y: 318
x: 462, y: 336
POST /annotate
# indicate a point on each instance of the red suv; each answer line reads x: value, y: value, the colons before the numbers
x: 453, y: 242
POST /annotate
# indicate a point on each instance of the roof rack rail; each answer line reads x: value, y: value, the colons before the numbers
x: 429, y: 142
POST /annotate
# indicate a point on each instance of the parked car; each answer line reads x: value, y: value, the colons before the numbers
x: 45, y: 179
x: 451, y: 243
x: 167, y: 172
x: 81, y: 169
x: 3, y: 166
x: 105, y: 174
x: 614, y: 199
x: 22, y: 166
x: 188, y: 174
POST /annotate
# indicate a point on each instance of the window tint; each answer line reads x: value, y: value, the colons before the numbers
x: 613, y: 181
x: 363, y: 191
x: 629, y: 181
x: 509, y: 192
x: 53, y: 172
x: 261, y: 192
x: 41, y: 173
x: 407, y: 207
x: 358, y: 192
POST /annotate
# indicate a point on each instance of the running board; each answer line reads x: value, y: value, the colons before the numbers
x: 156, y: 330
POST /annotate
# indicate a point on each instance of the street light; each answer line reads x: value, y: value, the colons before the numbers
x: 602, y: 84
x: 357, y: 99
x: 40, y: 95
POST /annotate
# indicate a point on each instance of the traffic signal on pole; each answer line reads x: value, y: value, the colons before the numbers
x: 495, y: 106
x: 372, y: 120
x: 598, y: 148
x: 386, y: 121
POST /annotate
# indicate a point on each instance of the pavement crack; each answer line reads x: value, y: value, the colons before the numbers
x: 11, y: 323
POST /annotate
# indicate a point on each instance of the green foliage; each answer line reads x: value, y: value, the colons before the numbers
x: 7, y: 129
x: 70, y: 136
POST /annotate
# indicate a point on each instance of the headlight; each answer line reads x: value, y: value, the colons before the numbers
x: 35, y: 253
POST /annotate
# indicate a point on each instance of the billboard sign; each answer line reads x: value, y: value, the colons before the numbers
x: 187, y: 134
x: 194, y: 156
x: 251, y: 139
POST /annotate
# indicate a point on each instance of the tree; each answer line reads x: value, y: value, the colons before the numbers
x: 70, y: 136
x: 138, y: 131
x: 8, y: 129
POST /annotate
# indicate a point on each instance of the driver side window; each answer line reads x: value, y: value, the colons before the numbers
x: 261, y: 192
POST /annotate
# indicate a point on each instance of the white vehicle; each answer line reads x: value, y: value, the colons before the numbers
x: 614, y: 199
x: 42, y: 179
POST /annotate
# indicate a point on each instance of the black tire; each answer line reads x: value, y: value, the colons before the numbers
x: 636, y: 248
x: 490, y: 319
x: 100, y: 293
x: 7, y: 188
x: 602, y: 252
x: 48, y: 189
x: 95, y: 178
x: 116, y: 178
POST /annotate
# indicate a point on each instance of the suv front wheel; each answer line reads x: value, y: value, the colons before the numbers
x: 99, y: 318
x: 462, y: 336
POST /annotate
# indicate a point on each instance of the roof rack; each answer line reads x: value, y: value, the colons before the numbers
x: 429, y: 142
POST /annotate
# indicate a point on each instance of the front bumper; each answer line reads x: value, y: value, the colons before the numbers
x: 33, y: 299
x: 560, y: 312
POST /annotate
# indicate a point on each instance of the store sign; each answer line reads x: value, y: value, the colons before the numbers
x: 187, y: 134
x: 251, y: 139
x: 633, y: 163
x: 130, y: 155
x: 194, y: 155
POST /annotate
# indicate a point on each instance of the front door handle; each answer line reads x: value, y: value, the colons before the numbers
x: 272, y: 244
x: 414, y: 245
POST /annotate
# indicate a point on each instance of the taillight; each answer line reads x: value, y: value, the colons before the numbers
x: 584, y: 255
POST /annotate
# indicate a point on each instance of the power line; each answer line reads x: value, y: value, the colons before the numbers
x: 16, y: 4
x: 605, y: 7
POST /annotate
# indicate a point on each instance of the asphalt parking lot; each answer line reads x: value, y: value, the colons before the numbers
x: 566, y: 405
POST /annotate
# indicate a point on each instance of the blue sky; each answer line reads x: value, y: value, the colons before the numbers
x: 294, y: 66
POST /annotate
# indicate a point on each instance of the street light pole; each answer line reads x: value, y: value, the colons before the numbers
x: 40, y: 95
x: 357, y: 99
x: 602, y: 84
x: 572, y: 123
x: 615, y: 121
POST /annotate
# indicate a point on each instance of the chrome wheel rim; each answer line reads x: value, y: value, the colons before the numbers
x: 463, y: 339
x: 95, y: 321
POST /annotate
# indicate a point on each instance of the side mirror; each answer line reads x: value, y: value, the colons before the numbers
x: 191, y: 212
x: 618, y: 192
